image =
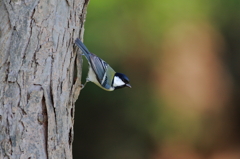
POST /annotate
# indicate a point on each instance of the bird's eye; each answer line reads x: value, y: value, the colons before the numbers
x: 126, y: 81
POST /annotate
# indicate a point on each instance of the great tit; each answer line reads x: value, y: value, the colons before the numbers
x: 101, y: 73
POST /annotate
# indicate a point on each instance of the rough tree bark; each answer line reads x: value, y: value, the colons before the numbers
x: 38, y: 89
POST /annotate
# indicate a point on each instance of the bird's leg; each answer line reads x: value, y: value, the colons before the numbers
x: 83, y: 85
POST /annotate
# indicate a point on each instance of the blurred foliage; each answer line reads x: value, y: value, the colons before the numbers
x: 182, y: 58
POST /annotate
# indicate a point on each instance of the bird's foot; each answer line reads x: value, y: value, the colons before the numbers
x: 83, y: 85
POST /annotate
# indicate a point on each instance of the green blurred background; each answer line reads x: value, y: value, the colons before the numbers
x: 182, y: 58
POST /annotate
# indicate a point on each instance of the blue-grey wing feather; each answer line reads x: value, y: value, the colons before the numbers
x: 99, y: 66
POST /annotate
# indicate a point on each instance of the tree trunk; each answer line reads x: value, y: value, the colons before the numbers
x: 38, y: 80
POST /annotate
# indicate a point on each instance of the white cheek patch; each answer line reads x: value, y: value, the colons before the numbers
x: 117, y: 82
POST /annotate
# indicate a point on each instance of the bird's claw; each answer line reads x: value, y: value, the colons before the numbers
x: 82, y: 86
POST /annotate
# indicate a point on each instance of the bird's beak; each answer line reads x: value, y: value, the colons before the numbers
x: 128, y: 85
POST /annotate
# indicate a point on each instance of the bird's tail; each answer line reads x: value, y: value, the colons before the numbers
x: 82, y: 47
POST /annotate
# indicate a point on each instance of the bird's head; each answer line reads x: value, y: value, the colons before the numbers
x: 120, y: 80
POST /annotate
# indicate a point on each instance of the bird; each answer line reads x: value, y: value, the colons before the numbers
x: 101, y: 73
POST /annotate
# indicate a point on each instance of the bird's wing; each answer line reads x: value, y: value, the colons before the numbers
x: 99, y: 67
